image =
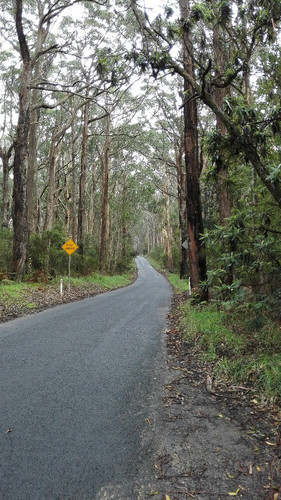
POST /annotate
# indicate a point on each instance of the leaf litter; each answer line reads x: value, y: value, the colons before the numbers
x: 222, y: 441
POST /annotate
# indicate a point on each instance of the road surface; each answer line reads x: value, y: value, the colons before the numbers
x: 76, y: 382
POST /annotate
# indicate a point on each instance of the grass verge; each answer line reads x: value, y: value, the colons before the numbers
x: 106, y: 281
x: 242, y: 346
x: 178, y: 284
x: 241, y: 343
x: 20, y: 298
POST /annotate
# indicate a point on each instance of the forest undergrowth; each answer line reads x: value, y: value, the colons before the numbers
x: 240, y: 342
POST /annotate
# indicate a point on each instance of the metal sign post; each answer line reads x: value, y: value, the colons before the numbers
x: 69, y: 262
x: 69, y: 247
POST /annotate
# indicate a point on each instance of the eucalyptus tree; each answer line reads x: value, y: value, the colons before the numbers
x: 255, y: 24
x: 165, y: 156
x: 154, y: 34
x: 30, y: 54
x: 116, y: 142
x: 5, y: 155
x: 8, y: 76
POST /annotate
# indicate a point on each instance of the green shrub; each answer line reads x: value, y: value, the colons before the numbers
x: 6, y: 246
x: 242, y: 344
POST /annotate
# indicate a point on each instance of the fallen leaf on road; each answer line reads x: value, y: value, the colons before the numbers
x: 166, y: 497
x: 234, y: 493
x: 270, y: 444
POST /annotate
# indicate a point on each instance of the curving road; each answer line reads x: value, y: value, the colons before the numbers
x: 76, y: 381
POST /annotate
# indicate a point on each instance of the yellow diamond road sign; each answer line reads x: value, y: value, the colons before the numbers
x: 69, y: 247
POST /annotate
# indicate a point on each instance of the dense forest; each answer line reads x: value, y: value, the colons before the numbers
x: 132, y: 130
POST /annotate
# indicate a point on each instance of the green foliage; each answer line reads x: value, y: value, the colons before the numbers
x: 247, y: 246
x: 242, y: 346
x: 157, y: 255
x: 47, y: 256
x: 199, y: 12
x: 45, y: 252
x: 6, y: 245
x: 179, y: 285
x: 112, y: 282
x: 168, y: 12
x: 156, y: 60
x: 15, y: 296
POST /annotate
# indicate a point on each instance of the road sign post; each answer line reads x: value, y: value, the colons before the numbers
x: 69, y: 247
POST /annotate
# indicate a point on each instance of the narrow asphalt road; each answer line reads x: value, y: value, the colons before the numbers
x: 76, y: 381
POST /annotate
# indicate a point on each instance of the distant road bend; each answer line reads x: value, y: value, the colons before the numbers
x: 75, y: 385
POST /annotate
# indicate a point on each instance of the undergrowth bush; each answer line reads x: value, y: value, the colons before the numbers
x: 242, y: 345
x: 6, y: 245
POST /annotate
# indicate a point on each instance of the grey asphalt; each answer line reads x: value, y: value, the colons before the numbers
x: 76, y: 382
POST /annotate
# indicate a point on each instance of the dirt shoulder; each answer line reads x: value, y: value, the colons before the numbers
x: 220, y: 442
x: 43, y: 297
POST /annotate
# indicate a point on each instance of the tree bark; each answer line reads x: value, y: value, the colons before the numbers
x: 196, y: 249
x: 82, y: 180
x: 181, y: 186
x: 58, y: 134
x: 167, y: 230
x: 50, y: 203
x: 104, y: 197
x: 224, y: 200
x: 73, y: 188
x: 124, y: 225
x: 42, y: 34
x: 5, y: 157
x: 91, y: 219
x: 20, y: 239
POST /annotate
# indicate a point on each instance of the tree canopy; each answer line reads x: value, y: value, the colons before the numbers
x: 131, y: 130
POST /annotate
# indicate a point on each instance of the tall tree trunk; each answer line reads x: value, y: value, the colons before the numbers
x: 73, y: 188
x: 42, y: 34
x: 52, y: 188
x: 148, y: 234
x: 82, y: 180
x: 32, y: 166
x: 104, y: 196
x: 5, y: 157
x: 50, y: 203
x: 223, y: 193
x: 167, y: 230
x: 224, y: 200
x: 20, y: 239
x: 124, y: 225
x: 91, y: 202
x: 196, y: 249
x: 181, y: 185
